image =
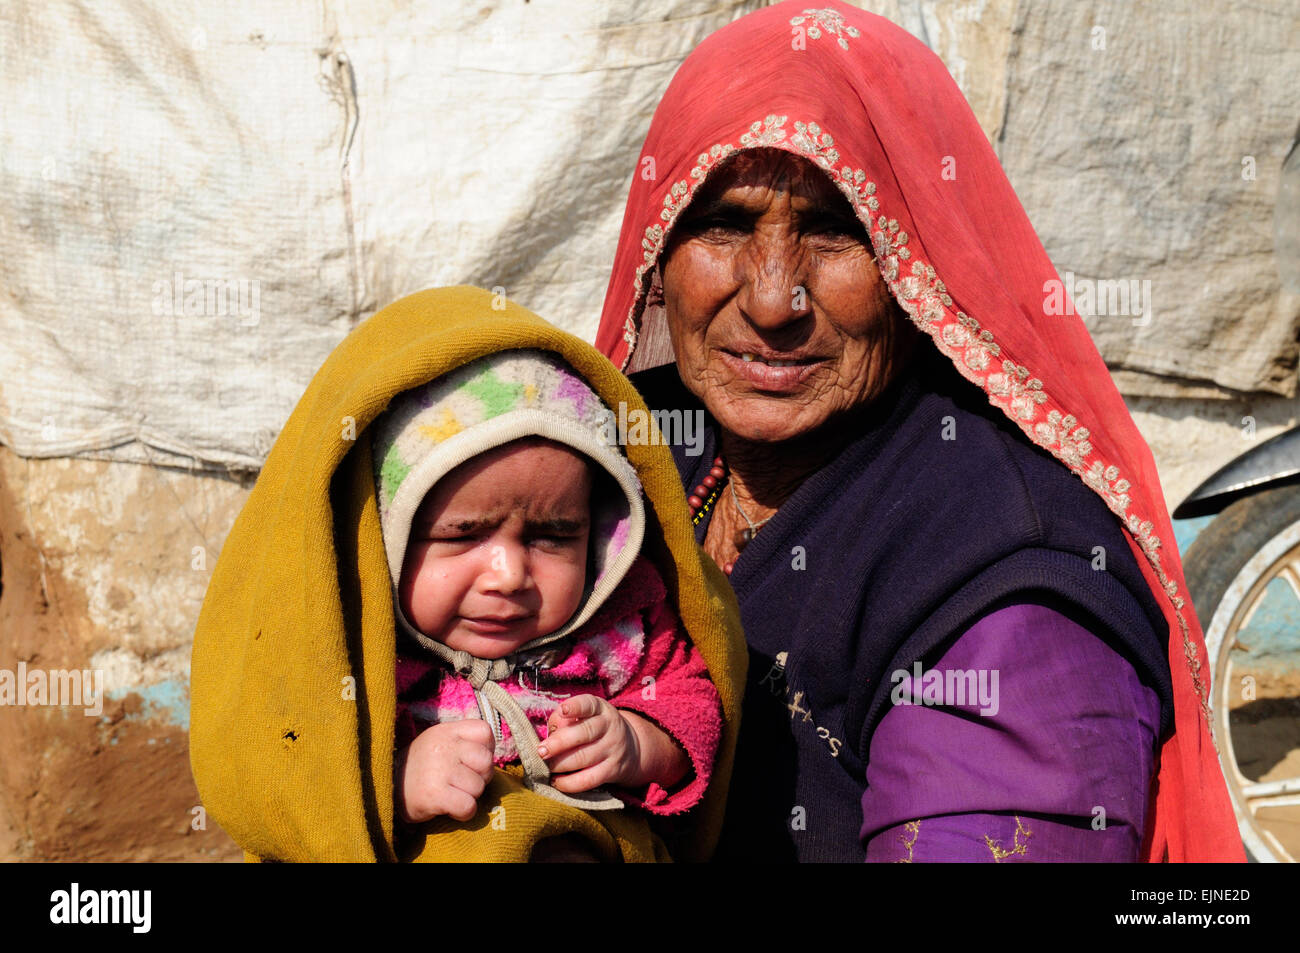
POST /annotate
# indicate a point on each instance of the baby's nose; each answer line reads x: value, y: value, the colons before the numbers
x: 507, y: 568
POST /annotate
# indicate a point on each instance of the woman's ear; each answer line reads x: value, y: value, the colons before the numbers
x: 654, y: 296
x: 654, y: 344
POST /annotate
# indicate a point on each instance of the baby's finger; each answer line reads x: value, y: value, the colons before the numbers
x: 477, y: 758
x: 456, y: 803
x: 475, y: 730
x: 559, y: 720
x: 463, y: 779
x: 580, y: 706
x: 585, y: 780
x: 566, y: 739
x: 577, y: 759
x: 557, y: 723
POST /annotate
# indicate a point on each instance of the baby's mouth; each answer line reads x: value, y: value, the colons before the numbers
x: 489, y: 625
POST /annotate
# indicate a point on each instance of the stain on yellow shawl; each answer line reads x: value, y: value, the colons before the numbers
x: 293, y: 685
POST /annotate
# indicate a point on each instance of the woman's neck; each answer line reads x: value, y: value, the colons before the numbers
x: 765, y: 475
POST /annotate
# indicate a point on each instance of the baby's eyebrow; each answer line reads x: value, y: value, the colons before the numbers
x: 461, y: 526
x: 557, y: 524
x: 535, y: 527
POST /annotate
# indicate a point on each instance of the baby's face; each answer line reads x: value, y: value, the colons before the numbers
x: 498, y: 550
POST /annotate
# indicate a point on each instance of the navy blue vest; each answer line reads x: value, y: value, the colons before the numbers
x: 939, y: 513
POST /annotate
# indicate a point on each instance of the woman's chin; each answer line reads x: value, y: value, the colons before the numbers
x: 768, y: 420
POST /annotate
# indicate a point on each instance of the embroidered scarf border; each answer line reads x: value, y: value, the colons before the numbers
x: 920, y: 292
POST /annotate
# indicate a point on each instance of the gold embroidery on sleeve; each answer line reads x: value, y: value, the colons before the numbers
x: 913, y: 828
x: 1000, y: 853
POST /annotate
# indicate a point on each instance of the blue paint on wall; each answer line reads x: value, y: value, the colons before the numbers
x: 168, y: 700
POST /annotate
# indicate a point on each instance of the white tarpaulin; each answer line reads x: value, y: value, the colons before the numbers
x: 200, y: 200
x: 1147, y: 142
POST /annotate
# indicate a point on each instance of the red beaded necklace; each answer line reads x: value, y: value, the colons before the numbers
x: 706, y: 494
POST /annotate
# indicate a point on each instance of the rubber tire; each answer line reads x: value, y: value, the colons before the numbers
x: 1223, y: 548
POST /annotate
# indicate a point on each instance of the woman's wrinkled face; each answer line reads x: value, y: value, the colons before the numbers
x: 779, y: 318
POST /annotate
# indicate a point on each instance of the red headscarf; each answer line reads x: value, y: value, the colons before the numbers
x: 878, y: 112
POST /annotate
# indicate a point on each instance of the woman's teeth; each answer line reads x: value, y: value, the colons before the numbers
x: 747, y: 358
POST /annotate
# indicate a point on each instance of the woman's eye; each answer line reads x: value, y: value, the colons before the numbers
x: 717, y: 226
x: 836, y: 230
x: 836, y: 240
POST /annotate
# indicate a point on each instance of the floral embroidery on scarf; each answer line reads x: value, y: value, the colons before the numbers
x: 832, y: 21
x: 766, y: 133
x: 811, y: 141
x: 1001, y: 853
x: 925, y: 299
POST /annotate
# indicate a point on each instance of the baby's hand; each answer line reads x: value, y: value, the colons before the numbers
x: 444, y: 770
x: 590, y: 743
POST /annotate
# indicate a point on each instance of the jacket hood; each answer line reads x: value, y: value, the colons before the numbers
x: 429, y: 431
x: 293, y: 677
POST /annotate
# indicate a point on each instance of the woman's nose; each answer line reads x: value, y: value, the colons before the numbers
x: 773, y: 289
x: 507, y: 568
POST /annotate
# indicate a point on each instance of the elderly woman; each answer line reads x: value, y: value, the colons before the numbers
x: 968, y: 629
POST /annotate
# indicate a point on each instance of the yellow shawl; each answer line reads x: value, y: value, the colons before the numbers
x: 293, y: 695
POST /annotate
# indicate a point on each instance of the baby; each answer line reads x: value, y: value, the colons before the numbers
x: 533, y: 632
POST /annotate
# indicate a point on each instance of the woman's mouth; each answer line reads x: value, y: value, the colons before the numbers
x: 770, y: 372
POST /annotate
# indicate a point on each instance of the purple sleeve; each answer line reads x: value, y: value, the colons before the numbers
x: 1048, y: 757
